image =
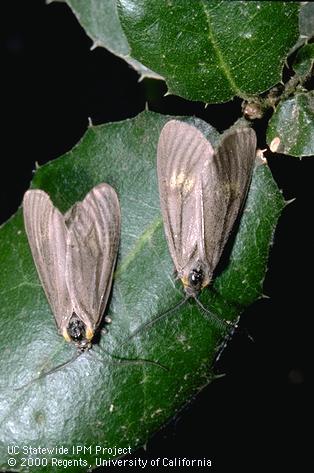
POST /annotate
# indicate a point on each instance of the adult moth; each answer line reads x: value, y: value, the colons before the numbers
x: 75, y: 256
x: 202, y: 191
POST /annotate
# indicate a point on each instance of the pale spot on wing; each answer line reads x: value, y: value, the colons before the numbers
x: 233, y: 188
x: 181, y: 180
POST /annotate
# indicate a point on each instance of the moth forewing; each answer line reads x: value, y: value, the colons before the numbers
x: 46, y: 233
x: 92, y: 245
x: 183, y: 154
x: 232, y: 169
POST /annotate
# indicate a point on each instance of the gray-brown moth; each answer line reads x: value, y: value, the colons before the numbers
x: 201, y: 193
x: 75, y: 255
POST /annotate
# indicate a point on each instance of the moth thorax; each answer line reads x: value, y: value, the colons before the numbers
x: 76, y: 329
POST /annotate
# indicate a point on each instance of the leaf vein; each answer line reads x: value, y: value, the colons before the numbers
x: 145, y: 236
x: 223, y: 65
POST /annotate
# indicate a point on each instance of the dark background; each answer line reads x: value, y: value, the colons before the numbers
x: 260, y: 413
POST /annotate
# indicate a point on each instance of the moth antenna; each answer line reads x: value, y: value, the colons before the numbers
x: 153, y: 321
x: 53, y: 370
x: 119, y: 360
x: 244, y: 330
x: 129, y: 361
x: 224, y: 343
x: 222, y: 324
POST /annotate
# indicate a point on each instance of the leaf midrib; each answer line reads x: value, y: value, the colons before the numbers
x: 140, y: 243
x: 223, y: 66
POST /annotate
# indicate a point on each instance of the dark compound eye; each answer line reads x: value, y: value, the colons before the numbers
x: 196, y: 278
x: 76, y: 329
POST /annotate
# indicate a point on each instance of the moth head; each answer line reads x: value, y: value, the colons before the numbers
x: 195, y: 279
x: 78, y: 333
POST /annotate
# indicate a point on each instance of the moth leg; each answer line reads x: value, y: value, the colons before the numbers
x: 107, y: 320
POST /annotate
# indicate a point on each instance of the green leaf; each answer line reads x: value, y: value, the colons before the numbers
x: 304, y: 59
x: 211, y: 50
x: 101, y: 23
x: 293, y: 123
x: 306, y: 25
x: 96, y: 400
x: 306, y: 20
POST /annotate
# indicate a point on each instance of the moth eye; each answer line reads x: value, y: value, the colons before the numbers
x: 76, y: 329
x: 196, y: 278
